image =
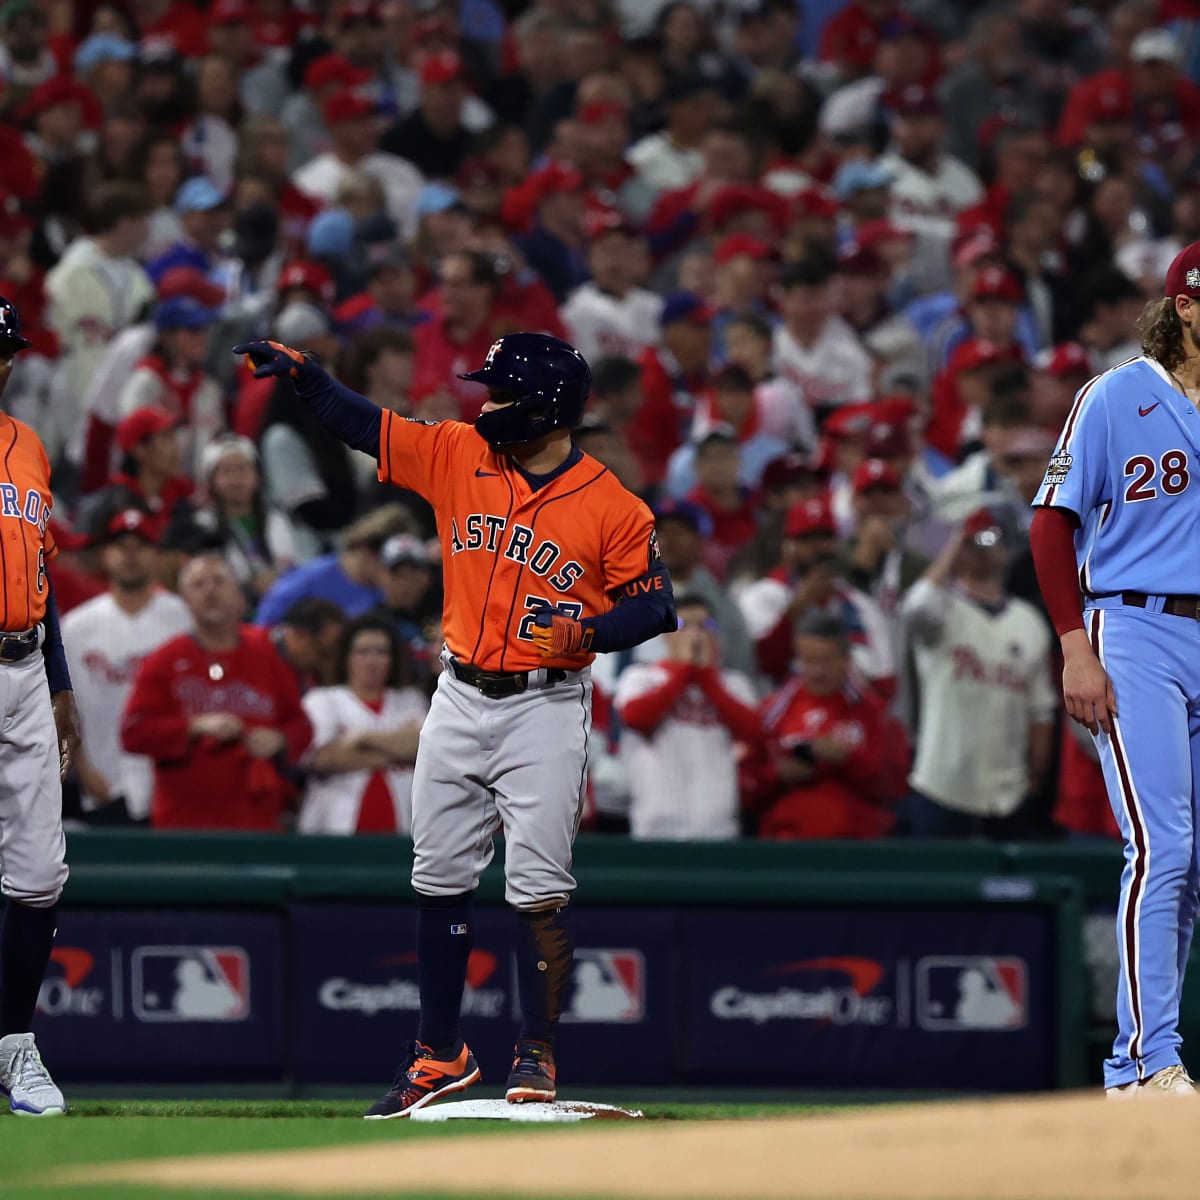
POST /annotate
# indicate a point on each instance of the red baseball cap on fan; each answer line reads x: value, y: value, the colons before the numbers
x: 308, y: 276
x: 348, y: 105
x: 978, y: 352
x: 851, y: 422
x: 188, y: 281
x: 994, y: 283
x: 740, y: 244
x: 334, y: 68
x: 1183, y: 275
x: 141, y: 424
x: 982, y: 527
x: 811, y: 516
x: 443, y: 67
x: 133, y: 521
x: 1067, y: 358
x: 875, y: 473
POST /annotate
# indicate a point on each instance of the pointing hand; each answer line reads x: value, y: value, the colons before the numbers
x: 271, y: 358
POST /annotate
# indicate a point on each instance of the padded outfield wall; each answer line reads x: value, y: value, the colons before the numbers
x: 186, y: 958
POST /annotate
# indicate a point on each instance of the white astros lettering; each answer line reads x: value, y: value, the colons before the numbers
x: 33, y: 508
x: 483, y: 532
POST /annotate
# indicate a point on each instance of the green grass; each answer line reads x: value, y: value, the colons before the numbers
x: 311, y: 1109
x: 105, y: 1131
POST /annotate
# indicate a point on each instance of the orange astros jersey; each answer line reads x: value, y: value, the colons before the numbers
x: 507, y: 550
x: 25, y: 542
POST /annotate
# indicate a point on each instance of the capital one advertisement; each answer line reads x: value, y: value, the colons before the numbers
x: 844, y: 998
x: 164, y: 995
x: 356, y: 1002
x: 836, y: 998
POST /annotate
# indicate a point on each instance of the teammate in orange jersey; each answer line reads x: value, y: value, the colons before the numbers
x: 547, y: 560
x: 38, y: 736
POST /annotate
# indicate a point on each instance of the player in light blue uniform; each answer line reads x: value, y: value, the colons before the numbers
x: 1116, y: 541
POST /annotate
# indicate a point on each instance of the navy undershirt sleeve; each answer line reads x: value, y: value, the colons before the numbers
x: 55, y: 656
x: 637, y: 618
x: 354, y: 418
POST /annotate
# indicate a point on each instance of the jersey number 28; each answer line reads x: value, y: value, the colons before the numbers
x: 1171, y: 470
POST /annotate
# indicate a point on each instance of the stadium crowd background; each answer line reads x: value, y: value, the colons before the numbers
x: 839, y: 270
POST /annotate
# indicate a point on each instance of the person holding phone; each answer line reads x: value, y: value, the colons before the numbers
x: 834, y: 760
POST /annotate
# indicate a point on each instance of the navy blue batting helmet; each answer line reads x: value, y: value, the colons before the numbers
x: 10, y: 329
x: 546, y: 379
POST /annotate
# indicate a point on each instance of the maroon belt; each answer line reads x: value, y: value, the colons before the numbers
x: 1176, y: 606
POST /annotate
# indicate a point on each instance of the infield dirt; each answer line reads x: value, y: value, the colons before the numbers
x: 1057, y: 1148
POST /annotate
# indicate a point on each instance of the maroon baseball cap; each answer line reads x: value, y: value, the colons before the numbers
x: 790, y: 470
x: 982, y: 527
x: 995, y: 283
x: 348, y: 105
x: 230, y: 12
x: 916, y: 100
x: 1183, y: 275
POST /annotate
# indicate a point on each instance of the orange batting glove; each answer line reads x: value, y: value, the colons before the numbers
x: 557, y: 635
x: 270, y: 358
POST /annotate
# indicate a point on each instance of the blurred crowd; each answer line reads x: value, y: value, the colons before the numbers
x: 839, y: 270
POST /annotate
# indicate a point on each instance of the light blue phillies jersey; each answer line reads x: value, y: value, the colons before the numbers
x: 1128, y: 464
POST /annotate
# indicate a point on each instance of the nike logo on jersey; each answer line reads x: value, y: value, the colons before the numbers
x: 1142, y: 412
x: 486, y: 474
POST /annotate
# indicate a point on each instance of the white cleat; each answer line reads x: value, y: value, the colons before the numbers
x: 25, y: 1081
x: 1170, y: 1081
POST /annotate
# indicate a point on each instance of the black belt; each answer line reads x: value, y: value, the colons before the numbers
x: 495, y: 685
x: 16, y: 646
x: 1176, y: 606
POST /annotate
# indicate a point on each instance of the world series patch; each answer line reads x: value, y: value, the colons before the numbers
x: 1056, y: 472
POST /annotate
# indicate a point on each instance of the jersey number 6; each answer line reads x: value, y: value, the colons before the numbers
x: 533, y: 603
x: 1173, y: 480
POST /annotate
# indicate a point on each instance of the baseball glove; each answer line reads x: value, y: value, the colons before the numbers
x: 558, y: 635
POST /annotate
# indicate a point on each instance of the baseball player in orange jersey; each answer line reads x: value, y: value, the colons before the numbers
x: 39, y: 730
x: 547, y: 560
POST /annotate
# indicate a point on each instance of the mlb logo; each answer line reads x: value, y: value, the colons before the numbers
x: 190, y: 983
x: 610, y: 987
x: 957, y: 994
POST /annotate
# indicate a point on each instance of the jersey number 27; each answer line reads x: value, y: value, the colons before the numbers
x: 533, y: 603
x: 1170, y: 473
